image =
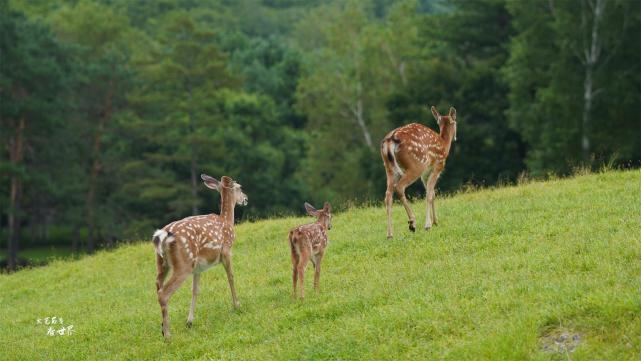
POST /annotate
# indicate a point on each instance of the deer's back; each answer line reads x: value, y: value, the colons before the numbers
x: 416, y: 143
x: 201, y: 238
x: 311, y: 234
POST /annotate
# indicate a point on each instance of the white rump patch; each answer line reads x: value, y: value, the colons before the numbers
x: 163, y: 240
x: 160, y: 233
x: 398, y: 172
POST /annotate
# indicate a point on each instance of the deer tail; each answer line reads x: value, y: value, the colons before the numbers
x: 161, y: 238
x: 388, y: 151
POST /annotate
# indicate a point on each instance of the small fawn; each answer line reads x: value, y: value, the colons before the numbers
x: 194, y: 244
x: 308, y: 242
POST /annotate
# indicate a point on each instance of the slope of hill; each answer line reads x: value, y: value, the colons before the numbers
x: 546, y: 270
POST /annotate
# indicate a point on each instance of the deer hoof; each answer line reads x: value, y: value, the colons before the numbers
x: 412, y: 227
x: 188, y: 324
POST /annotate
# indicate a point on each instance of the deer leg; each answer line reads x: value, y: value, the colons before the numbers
x: 194, y: 292
x: 226, y: 258
x: 429, y: 206
x: 294, y: 279
x: 164, y: 294
x: 389, y: 194
x: 300, y: 268
x: 317, y: 270
x: 425, y: 180
x: 295, y: 260
x: 163, y: 269
x: 434, y: 219
x: 400, y: 190
x: 430, y: 214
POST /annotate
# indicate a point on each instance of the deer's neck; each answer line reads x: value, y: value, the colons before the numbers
x: 322, y: 226
x: 227, y: 208
x: 446, y: 137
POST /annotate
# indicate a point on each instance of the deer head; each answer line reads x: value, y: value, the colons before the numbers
x: 323, y: 216
x: 446, y: 123
x: 229, y: 186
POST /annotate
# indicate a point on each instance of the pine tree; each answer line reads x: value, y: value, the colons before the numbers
x: 31, y: 82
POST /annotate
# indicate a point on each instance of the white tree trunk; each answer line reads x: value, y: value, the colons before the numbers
x: 587, y: 109
x: 358, y: 112
x: 591, y: 59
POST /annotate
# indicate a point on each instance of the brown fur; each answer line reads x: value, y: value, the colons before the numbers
x: 308, y: 242
x: 414, y: 151
x: 194, y: 244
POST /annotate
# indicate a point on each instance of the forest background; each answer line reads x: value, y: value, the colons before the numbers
x: 111, y: 109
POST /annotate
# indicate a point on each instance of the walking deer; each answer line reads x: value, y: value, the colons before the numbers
x: 414, y: 151
x: 308, y: 242
x: 194, y: 244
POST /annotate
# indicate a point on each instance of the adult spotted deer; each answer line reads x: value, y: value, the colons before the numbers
x: 308, y: 242
x: 414, y: 151
x: 194, y: 244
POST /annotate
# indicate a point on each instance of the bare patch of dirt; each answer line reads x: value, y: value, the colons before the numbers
x: 560, y: 340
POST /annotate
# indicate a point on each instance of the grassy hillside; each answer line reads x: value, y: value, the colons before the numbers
x: 505, y: 274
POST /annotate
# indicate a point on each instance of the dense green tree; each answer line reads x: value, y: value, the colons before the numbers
x: 258, y: 148
x: 181, y: 76
x: 343, y: 94
x: 32, y: 72
x: 461, y: 56
x: 107, y: 120
x: 574, y: 81
x: 101, y: 36
x: 191, y: 116
x: 270, y: 67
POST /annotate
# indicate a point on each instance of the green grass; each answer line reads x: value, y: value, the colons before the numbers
x: 504, y: 269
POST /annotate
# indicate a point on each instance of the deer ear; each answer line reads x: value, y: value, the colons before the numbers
x: 435, y: 113
x: 452, y: 113
x: 311, y: 210
x: 327, y: 207
x: 210, y: 182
